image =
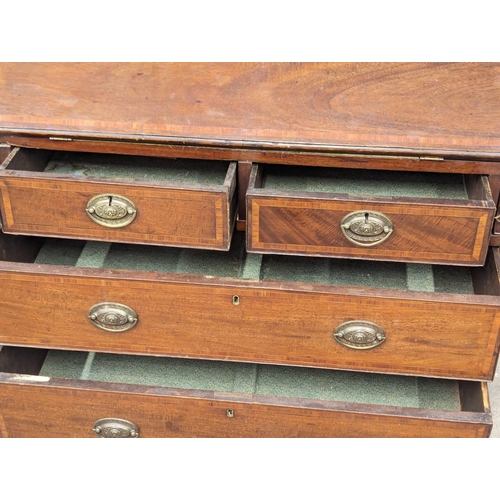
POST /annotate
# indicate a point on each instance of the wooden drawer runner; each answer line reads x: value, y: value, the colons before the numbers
x: 82, y: 395
x: 439, y: 321
x: 363, y: 214
x: 155, y: 201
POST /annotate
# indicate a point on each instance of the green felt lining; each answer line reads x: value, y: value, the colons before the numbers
x: 269, y: 380
x: 139, y: 168
x: 238, y: 264
x: 365, y: 182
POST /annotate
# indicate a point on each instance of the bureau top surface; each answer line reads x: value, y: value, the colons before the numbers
x: 447, y: 108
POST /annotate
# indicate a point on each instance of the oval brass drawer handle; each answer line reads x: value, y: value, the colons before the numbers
x: 112, y: 317
x: 366, y: 229
x: 111, y: 210
x: 359, y: 334
x: 115, y: 428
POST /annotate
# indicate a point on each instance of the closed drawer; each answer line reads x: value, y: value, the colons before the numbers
x: 71, y: 394
x: 155, y: 201
x: 439, y: 321
x: 363, y: 214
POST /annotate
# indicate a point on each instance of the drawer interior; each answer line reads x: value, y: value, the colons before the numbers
x: 130, y: 168
x: 238, y: 264
x: 368, y: 182
x: 188, y: 392
x: 253, y: 379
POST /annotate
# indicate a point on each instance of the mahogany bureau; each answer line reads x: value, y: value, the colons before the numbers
x: 249, y: 250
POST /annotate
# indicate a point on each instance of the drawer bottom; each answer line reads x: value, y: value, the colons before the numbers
x: 68, y: 392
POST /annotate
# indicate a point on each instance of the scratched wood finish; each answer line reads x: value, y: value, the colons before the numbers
x: 260, y: 155
x: 67, y: 408
x: 391, y: 107
x: 183, y: 215
x: 431, y: 334
x: 425, y: 230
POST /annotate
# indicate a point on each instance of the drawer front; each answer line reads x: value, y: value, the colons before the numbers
x: 441, y: 335
x: 32, y: 406
x: 363, y: 227
x: 154, y: 213
x: 65, y: 412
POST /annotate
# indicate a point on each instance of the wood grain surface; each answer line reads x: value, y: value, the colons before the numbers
x: 182, y: 215
x: 431, y: 334
x: 282, y: 154
x: 438, y: 108
x: 425, y: 230
x: 68, y: 408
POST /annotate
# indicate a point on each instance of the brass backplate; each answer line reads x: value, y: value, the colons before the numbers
x: 112, y: 317
x: 366, y: 228
x: 115, y: 428
x: 359, y: 334
x: 111, y: 210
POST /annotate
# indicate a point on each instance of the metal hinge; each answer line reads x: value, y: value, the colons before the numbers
x: 430, y: 158
x: 60, y: 139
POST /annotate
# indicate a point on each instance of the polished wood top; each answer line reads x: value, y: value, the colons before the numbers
x: 436, y: 108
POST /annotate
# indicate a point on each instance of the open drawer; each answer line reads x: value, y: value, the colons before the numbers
x: 435, y: 321
x: 142, y: 200
x: 71, y: 394
x: 364, y: 214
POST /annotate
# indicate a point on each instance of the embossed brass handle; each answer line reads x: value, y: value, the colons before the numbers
x: 366, y: 229
x: 111, y: 210
x: 359, y: 334
x: 115, y: 428
x: 112, y: 317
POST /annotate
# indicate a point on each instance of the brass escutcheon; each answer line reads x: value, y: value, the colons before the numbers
x: 359, y: 334
x: 366, y: 229
x: 111, y: 210
x: 112, y: 317
x: 115, y: 428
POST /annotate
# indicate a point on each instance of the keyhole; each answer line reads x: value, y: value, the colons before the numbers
x: 367, y: 215
x: 110, y: 200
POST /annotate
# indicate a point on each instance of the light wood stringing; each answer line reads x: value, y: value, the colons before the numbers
x: 431, y: 108
x: 65, y: 408
x: 440, y: 335
x: 425, y: 230
x: 34, y: 203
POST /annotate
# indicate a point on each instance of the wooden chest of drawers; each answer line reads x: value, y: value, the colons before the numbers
x: 359, y: 295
